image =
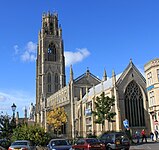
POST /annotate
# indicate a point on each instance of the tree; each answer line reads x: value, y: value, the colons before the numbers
x: 103, y: 109
x: 33, y: 133
x: 56, y: 118
x: 6, y: 126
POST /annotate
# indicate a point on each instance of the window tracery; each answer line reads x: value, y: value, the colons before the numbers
x: 52, y: 54
x: 56, y: 82
x: 49, y: 82
x: 134, y: 110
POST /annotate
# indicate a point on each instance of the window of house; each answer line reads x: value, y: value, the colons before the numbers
x: 149, y: 78
x: 158, y: 74
x: 151, y: 98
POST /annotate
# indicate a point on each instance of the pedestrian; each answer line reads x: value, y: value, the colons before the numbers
x: 156, y: 134
x: 152, y: 136
x: 143, y: 135
x: 128, y: 133
x: 137, y: 136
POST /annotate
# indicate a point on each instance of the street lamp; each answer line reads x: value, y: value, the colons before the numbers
x: 13, y: 109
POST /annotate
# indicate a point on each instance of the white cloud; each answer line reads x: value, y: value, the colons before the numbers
x: 20, y: 98
x: 74, y: 57
x: 3, y: 98
x: 28, y: 53
x: 27, y: 56
x: 31, y: 47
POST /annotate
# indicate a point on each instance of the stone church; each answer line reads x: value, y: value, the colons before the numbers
x: 77, y: 98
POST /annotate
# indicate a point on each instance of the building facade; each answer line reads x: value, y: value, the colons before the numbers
x: 51, y: 89
x: 152, y: 77
x: 129, y: 89
x: 69, y: 95
x: 77, y: 98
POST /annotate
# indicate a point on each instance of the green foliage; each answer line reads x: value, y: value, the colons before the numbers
x: 33, y: 133
x: 6, y: 126
x: 103, y: 106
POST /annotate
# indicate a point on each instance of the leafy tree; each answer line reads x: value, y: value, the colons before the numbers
x: 56, y: 118
x: 33, y: 133
x: 103, y: 106
x: 7, y: 124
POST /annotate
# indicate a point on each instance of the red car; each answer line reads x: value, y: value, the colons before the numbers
x: 88, y: 144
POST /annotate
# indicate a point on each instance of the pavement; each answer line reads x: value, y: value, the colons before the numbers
x: 148, y: 141
x: 142, y: 145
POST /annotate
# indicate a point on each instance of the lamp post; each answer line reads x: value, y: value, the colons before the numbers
x: 13, y: 109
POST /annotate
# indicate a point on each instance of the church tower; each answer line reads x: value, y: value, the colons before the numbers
x: 50, y: 63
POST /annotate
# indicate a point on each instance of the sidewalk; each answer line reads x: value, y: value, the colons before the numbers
x: 148, y: 141
x: 143, y: 145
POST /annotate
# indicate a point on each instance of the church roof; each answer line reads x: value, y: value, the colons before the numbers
x: 127, y: 69
x: 104, y: 85
x: 86, y: 77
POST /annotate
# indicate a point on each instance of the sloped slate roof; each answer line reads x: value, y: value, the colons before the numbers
x: 99, y: 87
x: 108, y: 83
x: 131, y: 65
x: 86, y: 78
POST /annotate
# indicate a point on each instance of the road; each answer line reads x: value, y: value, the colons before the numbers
x: 146, y: 146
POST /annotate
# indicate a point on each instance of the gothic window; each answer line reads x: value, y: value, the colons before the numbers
x: 56, y: 82
x: 51, y: 27
x: 49, y: 78
x: 46, y: 31
x: 45, y: 28
x: 52, y: 55
x: 134, y: 109
x: 45, y: 24
x: 49, y: 82
x: 49, y: 50
x: 51, y: 24
x: 49, y: 88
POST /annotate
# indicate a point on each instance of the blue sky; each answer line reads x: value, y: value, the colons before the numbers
x: 99, y: 34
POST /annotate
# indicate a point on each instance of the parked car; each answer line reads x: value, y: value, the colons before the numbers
x: 115, y: 140
x: 2, y: 148
x: 4, y: 144
x: 88, y: 144
x: 59, y: 144
x: 22, y: 145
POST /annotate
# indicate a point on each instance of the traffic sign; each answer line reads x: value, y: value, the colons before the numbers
x: 126, y: 123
